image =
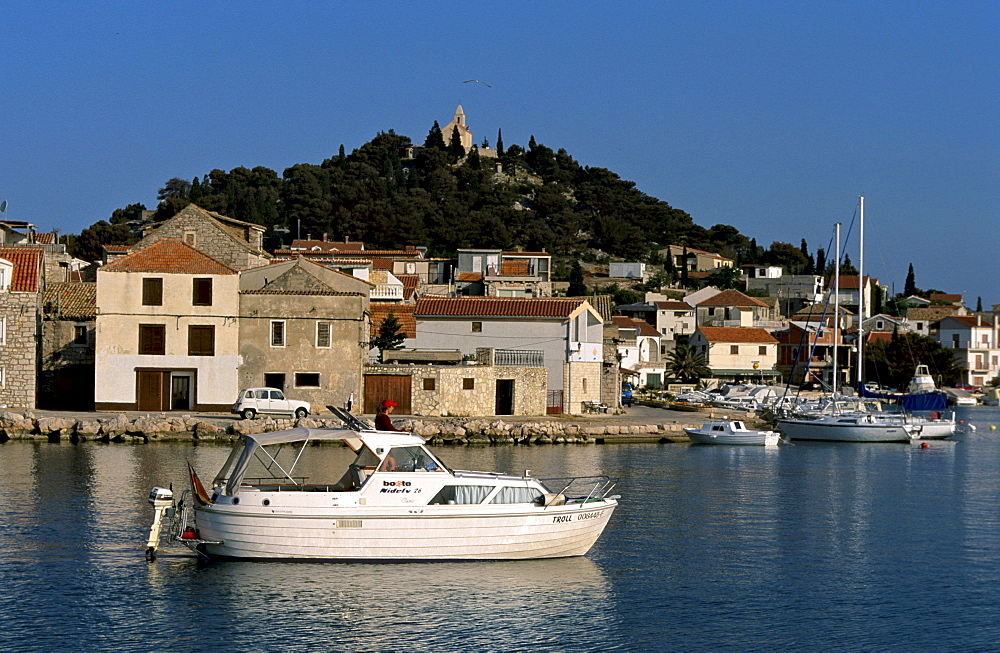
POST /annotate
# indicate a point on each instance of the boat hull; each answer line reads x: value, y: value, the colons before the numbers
x: 832, y: 431
x: 758, y: 438
x: 404, y: 534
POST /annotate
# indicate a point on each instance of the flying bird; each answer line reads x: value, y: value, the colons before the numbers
x: 477, y: 82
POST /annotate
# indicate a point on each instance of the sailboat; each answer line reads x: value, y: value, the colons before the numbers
x: 854, y: 426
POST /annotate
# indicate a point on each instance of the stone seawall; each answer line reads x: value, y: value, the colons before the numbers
x: 189, y: 428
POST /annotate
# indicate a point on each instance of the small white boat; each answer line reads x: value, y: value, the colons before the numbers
x: 732, y: 432
x: 396, y: 502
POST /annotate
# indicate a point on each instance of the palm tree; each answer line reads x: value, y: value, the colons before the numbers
x: 686, y: 365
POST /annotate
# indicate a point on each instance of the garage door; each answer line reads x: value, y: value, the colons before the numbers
x: 379, y: 387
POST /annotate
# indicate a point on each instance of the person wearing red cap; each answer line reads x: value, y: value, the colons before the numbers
x: 382, y: 421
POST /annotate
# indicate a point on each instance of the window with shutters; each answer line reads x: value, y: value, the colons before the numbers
x: 152, y: 339
x: 323, y: 335
x: 152, y: 292
x: 201, y: 294
x: 201, y: 340
x: 734, y: 349
x: 277, y: 333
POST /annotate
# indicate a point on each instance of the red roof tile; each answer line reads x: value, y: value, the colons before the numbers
x: 410, y: 283
x: 645, y: 328
x: 496, y: 307
x: 470, y: 276
x: 169, y: 256
x: 71, y: 301
x: 402, y: 312
x: 732, y: 298
x: 27, y: 263
x: 673, y: 306
x: 736, y: 334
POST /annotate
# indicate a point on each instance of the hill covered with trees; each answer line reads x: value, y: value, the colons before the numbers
x: 390, y: 192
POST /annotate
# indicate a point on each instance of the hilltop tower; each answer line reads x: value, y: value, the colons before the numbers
x: 464, y: 133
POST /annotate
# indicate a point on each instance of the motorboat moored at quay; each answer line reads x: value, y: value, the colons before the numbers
x: 731, y: 432
x: 396, y: 502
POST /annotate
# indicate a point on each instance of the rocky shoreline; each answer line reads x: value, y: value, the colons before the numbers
x: 452, y: 430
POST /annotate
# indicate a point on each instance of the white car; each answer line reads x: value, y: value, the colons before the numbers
x: 264, y: 401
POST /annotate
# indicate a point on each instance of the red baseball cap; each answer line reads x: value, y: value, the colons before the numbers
x: 388, y: 403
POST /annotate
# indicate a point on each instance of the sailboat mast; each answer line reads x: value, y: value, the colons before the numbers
x: 836, y: 310
x: 861, y: 292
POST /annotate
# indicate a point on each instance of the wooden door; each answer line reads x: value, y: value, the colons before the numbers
x: 153, y: 390
x: 379, y: 387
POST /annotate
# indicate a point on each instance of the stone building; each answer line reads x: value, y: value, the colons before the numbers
x: 167, y: 334
x: 21, y: 278
x: 491, y: 386
x: 234, y: 243
x: 567, y: 334
x: 69, y: 319
x: 303, y: 328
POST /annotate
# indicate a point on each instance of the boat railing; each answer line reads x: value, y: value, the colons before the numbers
x: 581, y: 489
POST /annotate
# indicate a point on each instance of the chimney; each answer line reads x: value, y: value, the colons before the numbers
x: 309, y: 236
x: 324, y: 236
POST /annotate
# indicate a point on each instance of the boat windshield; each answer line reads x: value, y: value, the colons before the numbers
x: 410, y: 459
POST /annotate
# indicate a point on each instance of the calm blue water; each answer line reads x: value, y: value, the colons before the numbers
x: 813, y: 546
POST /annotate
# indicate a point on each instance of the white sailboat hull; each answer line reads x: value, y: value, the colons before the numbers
x: 406, y: 533
x: 845, y: 431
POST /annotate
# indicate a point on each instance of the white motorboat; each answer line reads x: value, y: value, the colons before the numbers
x: 732, y: 432
x: 396, y: 502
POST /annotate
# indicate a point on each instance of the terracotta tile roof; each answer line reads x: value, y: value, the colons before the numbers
x: 851, y: 281
x: 878, y: 336
x: 410, y: 283
x: 943, y: 297
x: 736, y: 334
x: 470, y: 276
x: 527, y: 254
x: 27, y: 262
x: 45, y: 238
x: 972, y: 320
x: 169, y: 256
x: 403, y: 313
x: 325, y: 293
x: 515, y: 268
x: 644, y: 328
x: 496, y: 307
x: 673, y: 306
x: 71, y: 301
x: 116, y: 249
x: 930, y: 313
x: 328, y: 245
x: 732, y: 298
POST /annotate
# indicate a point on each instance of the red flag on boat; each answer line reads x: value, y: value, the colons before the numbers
x: 200, y: 495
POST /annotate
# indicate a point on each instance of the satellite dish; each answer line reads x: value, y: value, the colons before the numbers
x: 3, y: 206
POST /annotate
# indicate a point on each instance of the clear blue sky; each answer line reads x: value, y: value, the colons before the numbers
x: 769, y: 116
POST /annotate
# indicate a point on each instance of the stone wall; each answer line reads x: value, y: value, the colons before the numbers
x: 441, y: 390
x: 208, y: 237
x: 19, y: 351
x: 67, y: 368
x: 581, y: 382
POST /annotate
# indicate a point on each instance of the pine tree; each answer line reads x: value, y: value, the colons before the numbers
x: 390, y: 336
x: 979, y: 304
x: 820, y: 266
x: 910, y: 286
x: 576, y: 286
x: 456, y: 148
x: 499, y: 142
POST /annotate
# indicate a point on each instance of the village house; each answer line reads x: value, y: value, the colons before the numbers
x: 696, y: 260
x: 638, y: 345
x: 69, y: 320
x: 925, y: 320
x: 737, y: 353
x: 167, y: 331
x: 303, y: 328
x: 498, y: 273
x: 973, y: 340
x: 21, y: 280
x: 806, y: 352
x: 234, y: 243
x: 731, y: 308
x: 564, y: 335
x: 793, y: 291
